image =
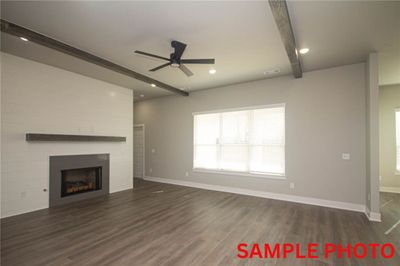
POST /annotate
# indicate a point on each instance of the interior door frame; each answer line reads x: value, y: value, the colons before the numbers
x: 144, y: 148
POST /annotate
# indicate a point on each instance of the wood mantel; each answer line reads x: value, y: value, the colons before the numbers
x: 63, y: 137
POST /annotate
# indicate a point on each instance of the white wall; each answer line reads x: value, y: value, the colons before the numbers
x: 325, y: 117
x: 389, y: 100
x: 42, y: 99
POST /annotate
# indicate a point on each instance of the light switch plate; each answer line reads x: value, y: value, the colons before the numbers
x: 291, y: 185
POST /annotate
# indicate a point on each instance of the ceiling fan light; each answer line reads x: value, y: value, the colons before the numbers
x: 174, y: 64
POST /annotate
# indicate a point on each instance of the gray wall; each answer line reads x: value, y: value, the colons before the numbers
x: 325, y: 117
x: 389, y: 100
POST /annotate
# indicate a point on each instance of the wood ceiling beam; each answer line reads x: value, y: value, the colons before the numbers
x: 41, y: 39
x: 281, y: 15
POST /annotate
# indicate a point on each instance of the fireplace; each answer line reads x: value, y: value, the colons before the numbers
x: 78, y: 177
x: 74, y: 181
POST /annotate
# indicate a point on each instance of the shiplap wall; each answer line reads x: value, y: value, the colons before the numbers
x: 43, y: 99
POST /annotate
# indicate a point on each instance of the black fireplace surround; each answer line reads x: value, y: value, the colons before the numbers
x: 77, y: 177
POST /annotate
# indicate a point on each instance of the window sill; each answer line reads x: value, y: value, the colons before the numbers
x: 224, y: 172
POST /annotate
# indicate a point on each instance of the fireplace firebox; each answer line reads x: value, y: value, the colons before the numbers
x: 81, y: 180
x: 78, y: 177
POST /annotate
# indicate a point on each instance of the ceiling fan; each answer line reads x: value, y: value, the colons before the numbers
x: 175, y: 59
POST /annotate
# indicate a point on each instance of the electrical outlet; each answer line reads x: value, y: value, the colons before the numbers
x: 291, y: 185
x: 187, y: 174
x: 346, y: 156
x: 153, y: 150
x: 151, y: 170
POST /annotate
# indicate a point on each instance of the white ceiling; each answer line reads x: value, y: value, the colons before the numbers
x: 344, y: 32
x: 241, y: 36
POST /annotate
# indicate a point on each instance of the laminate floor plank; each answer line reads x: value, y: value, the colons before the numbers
x: 160, y: 224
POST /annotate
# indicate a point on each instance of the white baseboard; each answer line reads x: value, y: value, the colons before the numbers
x: 42, y: 208
x: 269, y: 195
x: 390, y: 189
x: 373, y: 216
x: 120, y: 190
x: 22, y: 212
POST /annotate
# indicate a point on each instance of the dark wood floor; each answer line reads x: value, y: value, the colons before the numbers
x: 158, y: 224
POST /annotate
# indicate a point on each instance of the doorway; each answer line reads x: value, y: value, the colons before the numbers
x: 138, y: 151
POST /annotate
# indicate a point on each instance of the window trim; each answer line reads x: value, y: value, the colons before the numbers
x: 240, y: 173
x: 396, y: 110
x: 240, y: 109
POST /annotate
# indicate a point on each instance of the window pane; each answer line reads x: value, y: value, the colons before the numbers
x: 398, y: 139
x: 268, y: 159
x: 398, y: 158
x: 206, y: 128
x: 234, y: 157
x: 268, y: 126
x: 234, y: 127
x: 205, y: 156
x: 243, y: 141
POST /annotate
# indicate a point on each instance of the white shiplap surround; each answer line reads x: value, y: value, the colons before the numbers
x: 42, y: 99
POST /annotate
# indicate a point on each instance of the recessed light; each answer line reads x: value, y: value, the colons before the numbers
x: 141, y: 95
x: 304, y: 50
x: 24, y: 39
x: 212, y: 71
x: 153, y: 85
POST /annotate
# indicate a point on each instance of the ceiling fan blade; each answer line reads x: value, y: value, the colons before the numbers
x: 152, y: 55
x: 179, y: 48
x: 198, y: 61
x: 159, y: 67
x: 186, y: 70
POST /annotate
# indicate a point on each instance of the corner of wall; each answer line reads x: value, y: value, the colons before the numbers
x: 372, y: 131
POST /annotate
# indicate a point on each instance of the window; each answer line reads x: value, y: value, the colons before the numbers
x: 398, y: 140
x: 247, y: 141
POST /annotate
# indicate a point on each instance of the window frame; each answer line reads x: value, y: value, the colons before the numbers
x: 397, y: 148
x: 282, y: 176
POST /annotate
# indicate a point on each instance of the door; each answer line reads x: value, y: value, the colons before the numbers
x: 138, y: 151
